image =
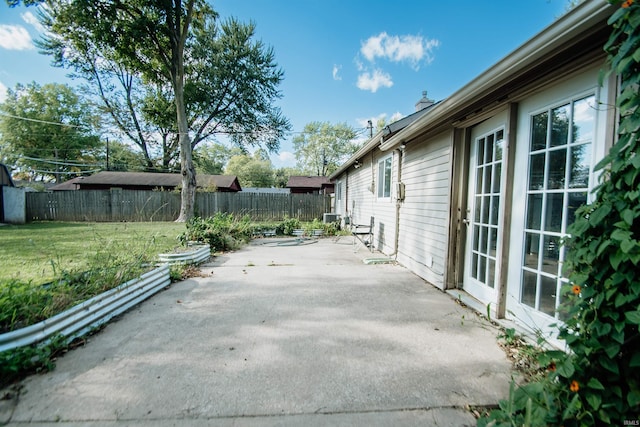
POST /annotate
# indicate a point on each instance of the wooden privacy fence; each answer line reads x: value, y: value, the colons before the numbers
x: 131, y: 205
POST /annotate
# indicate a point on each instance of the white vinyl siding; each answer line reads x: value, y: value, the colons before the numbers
x: 424, y: 215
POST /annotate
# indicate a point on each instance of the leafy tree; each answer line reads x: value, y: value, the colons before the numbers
x: 322, y: 147
x: 281, y: 176
x: 228, y: 85
x: 252, y: 171
x: 211, y: 159
x: 48, y: 130
x: 119, y: 156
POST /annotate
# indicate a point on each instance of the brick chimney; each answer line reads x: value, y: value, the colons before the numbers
x: 424, y: 102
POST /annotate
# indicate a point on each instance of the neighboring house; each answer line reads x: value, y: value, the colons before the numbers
x: 148, y: 181
x: 5, y: 176
x: 5, y: 181
x: 310, y: 185
x: 475, y: 195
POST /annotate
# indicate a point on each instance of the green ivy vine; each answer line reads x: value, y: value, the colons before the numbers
x: 597, y: 382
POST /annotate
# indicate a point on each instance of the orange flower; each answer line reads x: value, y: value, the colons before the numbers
x: 576, y: 289
x: 574, y: 386
x: 627, y: 3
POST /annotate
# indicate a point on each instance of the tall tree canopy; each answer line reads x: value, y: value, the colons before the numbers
x: 252, y: 170
x: 217, y: 77
x: 322, y: 147
x: 48, y: 130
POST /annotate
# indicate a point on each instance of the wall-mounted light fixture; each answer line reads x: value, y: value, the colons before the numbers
x: 357, y: 164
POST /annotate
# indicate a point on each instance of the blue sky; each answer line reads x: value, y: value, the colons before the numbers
x: 344, y: 60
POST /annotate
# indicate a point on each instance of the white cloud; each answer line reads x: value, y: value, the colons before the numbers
x: 395, y: 117
x: 407, y: 48
x: 3, y: 92
x: 31, y: 19
x: 336, y: 70
x: 374, y: 81
x: 286, y: 157
x: 15, y: 37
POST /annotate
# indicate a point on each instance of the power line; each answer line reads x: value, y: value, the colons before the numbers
x: 40, y: 121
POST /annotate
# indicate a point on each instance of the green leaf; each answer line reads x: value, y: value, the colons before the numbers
x: 627, y: 214
x: 594, y: 400
x: 565, y: 368
x: 598, y: 215
x: 633, y: 317
x: 595, y: 384
x: 635, y: 360
x: 633, y: 398
x: 612, y: 349
x: 609, y: 365
x: 627, y: 246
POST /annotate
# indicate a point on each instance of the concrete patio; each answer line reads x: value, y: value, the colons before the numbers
x: 284, y: 334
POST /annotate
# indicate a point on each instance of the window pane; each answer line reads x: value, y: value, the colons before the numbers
x: 479, y: 175
x: 534, y: 211
x: 495, y: 209
x: 528, y: 296
x: 548, y: 288
x: 539, y: 134
x: 476, y: 238
x: 487, y: 178
x: 492, y: 273
x: 553, y: 213
x: 478, y: 209
x: 551, y: 254
x: 575, y: 201
x: 536, y: 172
x: 493, y: 241
x: 557, y: 169
x: 580, y: 164
x: 488, y: 156
x: 480, y: 156
x: 387, y: 178
x: 584, y: 116
x: 485, y: 209
x: 531, y: 249
x: 499, y: 143
x: 482, y: 269
x: 474, y: 266
x: 559, y: 126
x: 483, y: 240
x: 497, y: 170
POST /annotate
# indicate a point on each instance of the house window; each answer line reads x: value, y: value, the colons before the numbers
x: 558, y: 183
x: 339, y: 190
x: 384, y: 177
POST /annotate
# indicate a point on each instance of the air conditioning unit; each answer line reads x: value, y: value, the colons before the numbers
x: 330, y: 217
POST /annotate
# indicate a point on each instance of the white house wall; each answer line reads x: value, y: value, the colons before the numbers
x: 424, y: 215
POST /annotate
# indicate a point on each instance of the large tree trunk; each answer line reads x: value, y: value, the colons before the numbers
x: 188, y: 194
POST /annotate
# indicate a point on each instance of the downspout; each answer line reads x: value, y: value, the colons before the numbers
x: 399, y: 200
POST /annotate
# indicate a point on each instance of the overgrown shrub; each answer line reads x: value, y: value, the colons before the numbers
x: 288, y: 225
x: 223, y: 231
x: 598, y: 381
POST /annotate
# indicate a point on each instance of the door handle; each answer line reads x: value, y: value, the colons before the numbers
x: 466, y: 221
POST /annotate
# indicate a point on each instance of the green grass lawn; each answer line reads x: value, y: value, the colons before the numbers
x: 35, y: 251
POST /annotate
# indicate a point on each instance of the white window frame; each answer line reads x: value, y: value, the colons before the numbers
x: 564, y: 190
x: 383, y: 180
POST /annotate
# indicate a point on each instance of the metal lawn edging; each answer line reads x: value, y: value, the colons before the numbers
x: 196, y: 256
x: 81, y: 318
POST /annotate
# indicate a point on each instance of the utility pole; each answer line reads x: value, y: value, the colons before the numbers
x: 107, y: 153
x: 370, y: 127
